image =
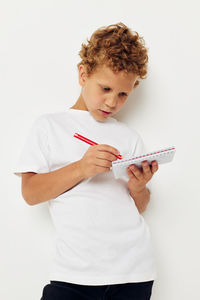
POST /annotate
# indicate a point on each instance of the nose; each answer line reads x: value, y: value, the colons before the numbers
x: 111, y: 102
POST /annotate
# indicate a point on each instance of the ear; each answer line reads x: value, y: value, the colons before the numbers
x: 82, y: 75
x: 136, y: 84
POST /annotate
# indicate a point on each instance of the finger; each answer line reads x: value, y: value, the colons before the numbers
x: 108, y: 148
x: 146, y: 170
x: 106, y: 156
x: 136, y: 172
x: 103, y: 162
x: 131, y: 174
x: 154, y: 166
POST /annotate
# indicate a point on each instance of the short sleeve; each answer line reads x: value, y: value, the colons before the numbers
x: 34, y: 156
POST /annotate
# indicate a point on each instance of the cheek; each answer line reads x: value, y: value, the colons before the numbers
x: 99, y: 100
x: 94, y: 93
x: 95, y: 98
x: 122, y: 101
x: 99, y: 97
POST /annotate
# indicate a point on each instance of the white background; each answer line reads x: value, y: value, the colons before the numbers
x: 39, y: 45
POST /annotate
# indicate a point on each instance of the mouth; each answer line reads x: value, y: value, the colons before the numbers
x: 105, y: 112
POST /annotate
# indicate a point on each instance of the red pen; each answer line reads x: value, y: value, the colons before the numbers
x: 86, y: 140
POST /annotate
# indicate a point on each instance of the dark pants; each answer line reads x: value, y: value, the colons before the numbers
x: 58, y: 290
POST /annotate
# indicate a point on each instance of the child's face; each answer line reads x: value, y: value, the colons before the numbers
x: 105, y: 91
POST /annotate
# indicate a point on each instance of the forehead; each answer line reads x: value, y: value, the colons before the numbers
x: 106, y: 76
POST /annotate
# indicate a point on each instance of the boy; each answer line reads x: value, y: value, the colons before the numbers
x: 103, y: 246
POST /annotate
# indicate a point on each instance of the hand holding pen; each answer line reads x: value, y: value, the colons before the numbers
x: 98, y: 158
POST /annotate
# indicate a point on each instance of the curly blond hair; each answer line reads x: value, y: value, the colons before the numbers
x: 116, y: 47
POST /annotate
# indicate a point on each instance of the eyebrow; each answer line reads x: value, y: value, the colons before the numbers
x: 106, y: 86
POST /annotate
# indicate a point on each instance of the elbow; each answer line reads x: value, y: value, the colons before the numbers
x: 31, y: 203
x: 28, y: 199
x: 141, y: 211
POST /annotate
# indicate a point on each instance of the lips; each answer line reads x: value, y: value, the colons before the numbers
x: 107, y: 112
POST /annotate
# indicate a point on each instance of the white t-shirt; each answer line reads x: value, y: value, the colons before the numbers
x: 101, y: 238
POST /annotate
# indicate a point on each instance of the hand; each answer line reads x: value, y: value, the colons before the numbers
x: 97, y: 159
x: 140, y: 177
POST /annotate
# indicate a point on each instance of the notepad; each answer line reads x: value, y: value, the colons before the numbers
x: 161, y: 156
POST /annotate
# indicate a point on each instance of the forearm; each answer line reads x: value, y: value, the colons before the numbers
x: 46, y: 186
x: 141, y: 199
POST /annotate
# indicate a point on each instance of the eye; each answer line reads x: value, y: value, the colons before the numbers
x: 106, y: 89
x: 123, y: 94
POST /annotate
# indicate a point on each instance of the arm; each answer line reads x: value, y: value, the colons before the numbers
x: 37, y: 188
x: 137, y: 183
x: 141, y: 199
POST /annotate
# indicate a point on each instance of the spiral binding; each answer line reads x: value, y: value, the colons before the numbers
x: 149, y: 155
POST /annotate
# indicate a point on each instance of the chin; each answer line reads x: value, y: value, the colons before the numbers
x: 98, y: 117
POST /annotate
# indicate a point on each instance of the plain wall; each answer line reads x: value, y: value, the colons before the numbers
x: 39, y: 45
